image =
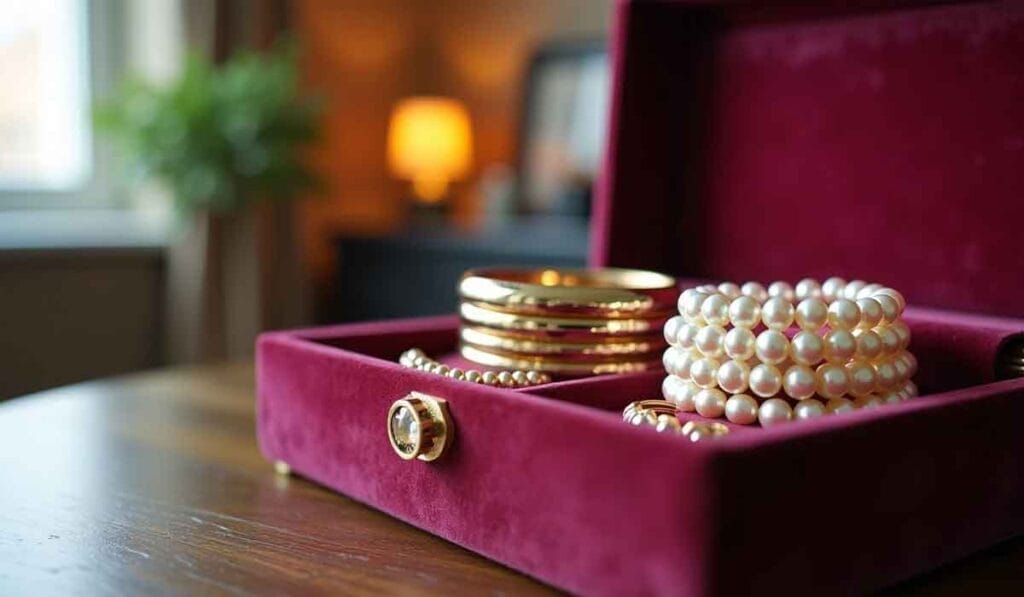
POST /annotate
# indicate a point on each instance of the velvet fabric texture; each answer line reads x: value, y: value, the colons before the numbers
x: 747, y: 142
x: 771, y: 142
x: 551, y: 482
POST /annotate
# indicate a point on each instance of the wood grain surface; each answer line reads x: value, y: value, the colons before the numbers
x: 152, y: 483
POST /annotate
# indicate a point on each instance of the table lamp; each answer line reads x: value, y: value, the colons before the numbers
x: 430, y: 143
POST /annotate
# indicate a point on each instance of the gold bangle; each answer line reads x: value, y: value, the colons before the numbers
x: 661, y: 314
x: 605, y: 293
x: 479, y: 315
x: 491, y: 359
x: 581, y: 337
x: 488, y: 340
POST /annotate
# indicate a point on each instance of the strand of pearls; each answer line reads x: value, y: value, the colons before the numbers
x: 415, y: 358
x: 770, y: 355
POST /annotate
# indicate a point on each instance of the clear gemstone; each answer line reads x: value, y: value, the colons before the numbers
x: 405, y: 429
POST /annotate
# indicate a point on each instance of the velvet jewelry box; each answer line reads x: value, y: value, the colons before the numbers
x: 871, y: 140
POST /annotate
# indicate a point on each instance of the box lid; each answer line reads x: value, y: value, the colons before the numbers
x: 882, y: 143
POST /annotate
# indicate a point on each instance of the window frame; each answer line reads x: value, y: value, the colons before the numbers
x: 106, y: 51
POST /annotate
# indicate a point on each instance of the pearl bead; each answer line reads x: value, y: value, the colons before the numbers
x: 703, y: 372
x: 732, y: 376
x: 684, y: 299
x: 690, y: 304
x: 886, y: 375
x: 911, y: 361
x: 710, y: 403
x: 862, y: 378
x: 740, y: 343
x: 781, y: 290
x: 895, y: 294
x: 684, y: 364
x: 891, y: 397
x: 799, y: 382
x: 773, y: 412
x: 765, y: 380
x: 777, y: 313
x: 811, y: 314
x: 686, y: 335
x: 755, y: 291
x: 839, y: 346
x: 831, y: 381
x: 672, y: 329
x: 807, y: 288
x: 870, y: 312
x: 741, y: 409
x: 806, y: 348
x: 869, y: 345
x: 832, y: 289
x: 668, y: 359
x: 772, y: 347
x: 868, y: 290
x: 709, y: 340
x: 852, y: 288
x: 685, y: 396
x: 839, y: 405
x: 890, y: 308
x: 708, y: 288
x: 902, y: 332
x: 744, y: 312
x: 889, y: 338
x: 729, y: 289
x: 902, y: 372
x: 843, y: 314
x: 715, y: 310
x: 910, y: 388
x: 868, y: 401
x: 808, y: 409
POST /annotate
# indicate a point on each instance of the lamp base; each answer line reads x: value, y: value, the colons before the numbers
x: 434, y: 213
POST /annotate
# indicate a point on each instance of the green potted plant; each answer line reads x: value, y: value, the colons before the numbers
x: 222, y: 138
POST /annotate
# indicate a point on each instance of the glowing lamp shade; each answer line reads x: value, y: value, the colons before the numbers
x: 430, y: 143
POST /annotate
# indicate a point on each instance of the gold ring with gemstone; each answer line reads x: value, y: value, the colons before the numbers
x: 647, y: 411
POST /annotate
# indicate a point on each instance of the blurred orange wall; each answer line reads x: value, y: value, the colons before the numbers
x: 364, y: 55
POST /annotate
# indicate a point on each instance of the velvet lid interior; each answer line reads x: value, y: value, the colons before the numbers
x: 768, y: 143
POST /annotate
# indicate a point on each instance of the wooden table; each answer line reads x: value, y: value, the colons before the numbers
x: 153, y: 483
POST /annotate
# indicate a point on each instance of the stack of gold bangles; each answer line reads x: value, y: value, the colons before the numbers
x: 563, y: 321
x: 771, y: 355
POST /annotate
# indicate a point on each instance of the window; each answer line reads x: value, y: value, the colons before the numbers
x: 55, y: 56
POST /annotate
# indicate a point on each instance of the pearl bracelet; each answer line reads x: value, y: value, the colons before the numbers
x: 829, y: 340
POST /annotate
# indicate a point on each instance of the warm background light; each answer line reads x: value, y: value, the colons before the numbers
x: 430, y: 142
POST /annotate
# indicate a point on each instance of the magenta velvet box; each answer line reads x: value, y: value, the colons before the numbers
x: 869, y: 140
